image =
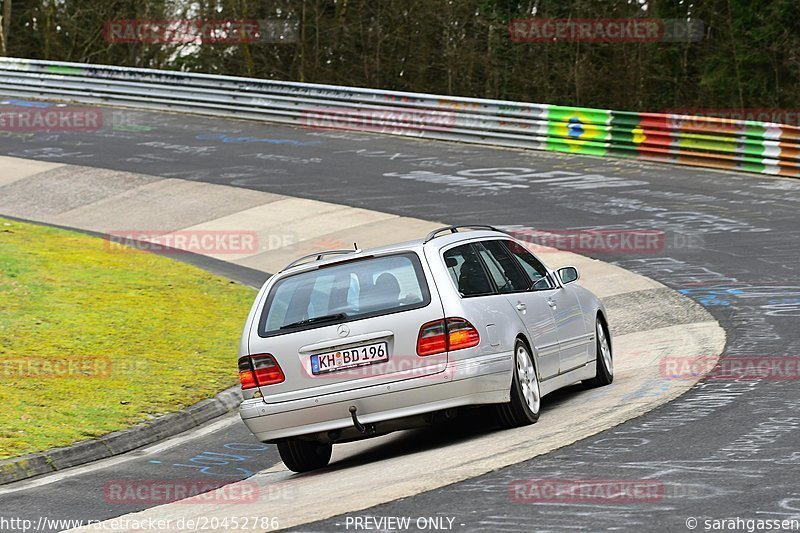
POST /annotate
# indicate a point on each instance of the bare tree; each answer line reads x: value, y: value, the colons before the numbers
x: 5, y: 25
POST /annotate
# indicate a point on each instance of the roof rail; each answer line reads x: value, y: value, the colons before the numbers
x: 318, y: 256
x: 454, y: 229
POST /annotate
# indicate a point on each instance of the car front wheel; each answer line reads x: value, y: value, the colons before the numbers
x: 604, y: 358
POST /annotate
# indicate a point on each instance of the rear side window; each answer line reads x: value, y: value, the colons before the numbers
x: 466, y: 270
x: 502, y: 267
x: 347, y: 291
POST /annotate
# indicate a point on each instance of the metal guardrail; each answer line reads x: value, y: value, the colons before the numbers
x: 752, y: 146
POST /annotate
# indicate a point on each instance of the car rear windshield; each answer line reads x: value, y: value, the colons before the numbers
x: 345, y: 291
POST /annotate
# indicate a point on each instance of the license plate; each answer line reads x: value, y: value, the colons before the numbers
x: 349, y: 358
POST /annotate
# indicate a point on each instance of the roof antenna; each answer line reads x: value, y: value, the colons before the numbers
x: 355, y: 247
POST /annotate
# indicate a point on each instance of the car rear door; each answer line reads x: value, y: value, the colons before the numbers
x: 385, y: 299
x: 478, y: 302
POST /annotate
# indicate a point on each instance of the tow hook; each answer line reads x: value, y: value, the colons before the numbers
x: 361, y: 428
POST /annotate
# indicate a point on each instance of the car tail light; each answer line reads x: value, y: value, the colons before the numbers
x: 246, y: 376
x: 432, y: 338
x: 445, y: 335
x: 259, y: 371
x: 461, y: 334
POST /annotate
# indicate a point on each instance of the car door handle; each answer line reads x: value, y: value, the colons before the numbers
x: 551, y: 303
x: 521, y: 307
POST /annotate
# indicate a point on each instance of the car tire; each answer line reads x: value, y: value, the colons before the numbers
x: 604, y: 358
x: 303, y: 455
x: 526, y: 394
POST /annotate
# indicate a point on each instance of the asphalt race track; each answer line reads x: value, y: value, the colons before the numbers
x: 88, y: 492
x: 726, y: 449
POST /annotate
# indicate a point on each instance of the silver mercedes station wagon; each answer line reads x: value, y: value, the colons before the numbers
x: 350, y: 344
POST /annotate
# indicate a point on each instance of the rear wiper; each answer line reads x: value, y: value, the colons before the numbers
x: 316, y: 319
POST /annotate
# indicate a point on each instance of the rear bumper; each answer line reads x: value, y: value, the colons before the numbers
x: 475, y: 381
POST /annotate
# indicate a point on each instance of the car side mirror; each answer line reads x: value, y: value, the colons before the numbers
x: 568, y: 274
